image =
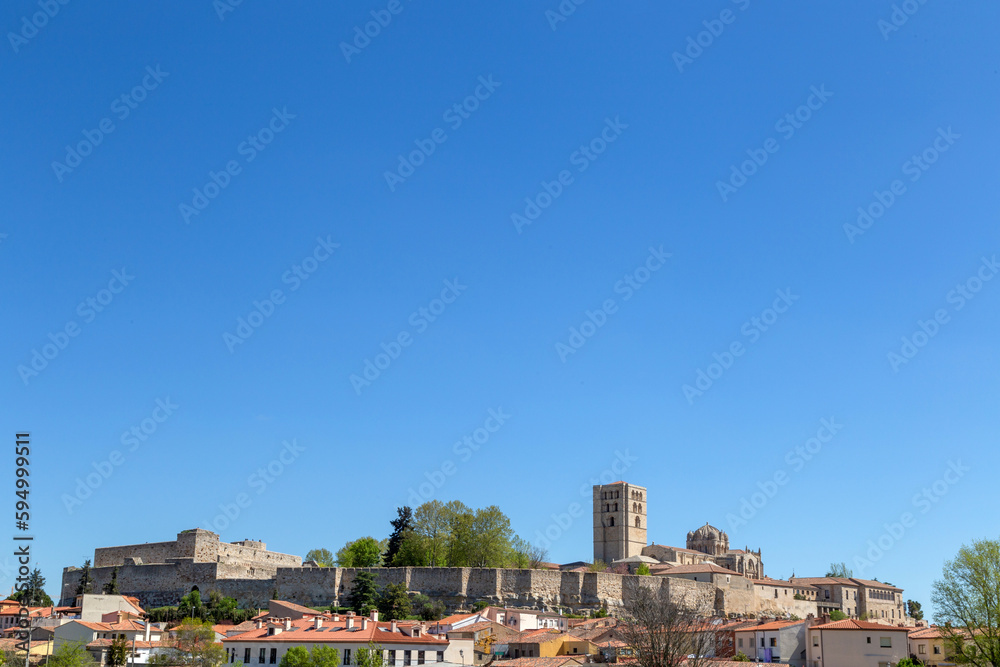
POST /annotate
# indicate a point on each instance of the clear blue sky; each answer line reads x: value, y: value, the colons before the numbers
x: 678, y: 127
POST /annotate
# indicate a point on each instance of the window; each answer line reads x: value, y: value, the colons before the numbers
x: 922, y: 649
x: 611, y: 521
x: 347, y: 656
x: 739, y: 642
x: 762, y: 642
x: 575, y: 650
x: 637, y: 522
x: 440, y: 656
x: 406, y: 657
x: 274, y: 656
x: 885, y: 642
x: 246, y: 656
x: 815, y: 640
x: 774, y: 641
x: 420, y: 657
x: 616, y: 507
x: 232, y: 655
x: 392, y: 658
x: 937, y: 650
x: 869, y: 639
x: 260, y: 656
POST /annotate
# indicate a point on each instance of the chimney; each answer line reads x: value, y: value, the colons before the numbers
x: 288, y: 623
x: 146, y: 635
x: 393, y: 626
x: 336, y: 618
x: 364, y: 623
x: 318, y: 622
x: 374, y: 615
x: 260, y: 623
x: 350, y: 621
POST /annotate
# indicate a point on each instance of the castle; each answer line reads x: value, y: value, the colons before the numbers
x: 706, y: 574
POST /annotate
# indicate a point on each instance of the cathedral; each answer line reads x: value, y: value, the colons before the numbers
x: 620, y: 535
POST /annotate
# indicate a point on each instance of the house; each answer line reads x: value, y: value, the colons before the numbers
x: 777, y: 641
x: 785, y: 597
x: 525, y: 619
x: 37, y: 651
x: 615, y: 650
x: 404, y: 644
x: 97, y: 637
x: 454, y: 622
x: 549, y: 643
x: 488, y: 639
x: 853, y: 643
x: 875, y: 600
x: 928, y: 646
x: 556, y: 661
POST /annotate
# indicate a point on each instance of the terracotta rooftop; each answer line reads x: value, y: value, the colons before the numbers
x: 303, y: 630
x: 773, y: 625
x: 852, y: 624
x: 701, y: 567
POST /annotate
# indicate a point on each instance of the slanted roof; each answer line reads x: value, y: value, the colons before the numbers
x: 853, y: 624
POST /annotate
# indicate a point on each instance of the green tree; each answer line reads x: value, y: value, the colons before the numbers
x: 194, y: 646
x: 324, y: 656
x: 598, y: 566
x: 839, y: 570
x: 402, y: 526
x: 432, y: 522
x: 837, y: 615
x: 967, y: 602
x: 427, y: 609
x: 86, y: 584
x: 111, y: 588
x: 118, y: 652
x: 71, y: 654
x: 33, y: 594
x: 323, y: 557
x: 296, y: 656
x: 741, y: 657
x: 914, y: 611
x: 492, y: 537
x: 371, y: 656
x: 643, y: 569
x: 191, y: 606
x: 907, y: 662
x: 365, y: 552
x: 364, y: 593
x: 394, y: 603
x: 413, y: 552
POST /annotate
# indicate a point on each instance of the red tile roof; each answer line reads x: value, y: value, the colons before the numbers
x: 773, y: 625
x: 557, y: 661
x: 701, y: 567
x: 125, y: 626
x: 303, y: 630
x: 852, y: 624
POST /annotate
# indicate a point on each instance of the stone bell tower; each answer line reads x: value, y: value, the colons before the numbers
x: 619, y: 521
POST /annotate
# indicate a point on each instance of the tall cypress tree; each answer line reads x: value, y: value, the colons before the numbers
x: 86, y: 584
x: 401, y: 525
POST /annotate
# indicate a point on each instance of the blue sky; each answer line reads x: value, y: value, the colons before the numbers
x: 264, y: 102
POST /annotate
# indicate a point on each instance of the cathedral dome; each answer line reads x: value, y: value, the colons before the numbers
x: 708, y: 532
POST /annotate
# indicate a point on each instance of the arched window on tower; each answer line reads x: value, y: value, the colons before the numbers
x: 640, y: 508
x: 635, y: 507
x: 607, y: 507
x: 637, y: 525
x: 616, y: 507
x: 611, y: 521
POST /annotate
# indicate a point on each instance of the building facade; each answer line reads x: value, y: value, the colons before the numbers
x: 619, y: 521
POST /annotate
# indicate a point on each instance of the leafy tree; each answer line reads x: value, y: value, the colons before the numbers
x: 492, y: 536
x: 365, y: 552
x: 194, y: 646
x: 741, y: 657
x: 111, y: 588
x: 839, y: 570
x: 837, y: 615
x: 427, y: 609
x: 394, y: 603
x: 598, y: 566
x: 296, y: 656
x: 602, y: 612
x: 643, y: 569
x: 191, y: 606
x: 86, y: 584
x: 33, y: 595
x: 402, y: 525
x: 119, y: 652
x: 907, y: 662
x: 364, y: 593
x: 371, y: 656
x: 480, y: 605
x: 71, y: 654
x: 324, y: 656
x: 323, y: 557
x: 968, y: 605
x: 413, y: 552
x: 914, y: 611
x: 432, y: 523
